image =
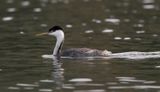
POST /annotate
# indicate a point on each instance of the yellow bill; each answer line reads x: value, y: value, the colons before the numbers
x: 40, y: 34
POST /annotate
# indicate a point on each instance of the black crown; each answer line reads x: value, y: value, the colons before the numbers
x: 54, y: 28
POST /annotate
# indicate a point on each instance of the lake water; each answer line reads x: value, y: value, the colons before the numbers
x: 116, y: 25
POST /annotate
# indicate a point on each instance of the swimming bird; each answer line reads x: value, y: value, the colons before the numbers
x: 57, y: 32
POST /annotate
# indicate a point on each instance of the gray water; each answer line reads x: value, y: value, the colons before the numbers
x: 116, y: 25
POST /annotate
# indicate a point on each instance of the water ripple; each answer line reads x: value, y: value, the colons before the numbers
x: 80, y: 80
x: 135, y: 87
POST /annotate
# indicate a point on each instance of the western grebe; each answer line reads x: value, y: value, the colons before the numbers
x: 57, y: 31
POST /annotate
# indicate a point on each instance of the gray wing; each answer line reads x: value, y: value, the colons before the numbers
x: 82, y: 52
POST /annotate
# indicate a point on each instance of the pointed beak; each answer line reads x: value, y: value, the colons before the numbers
x: 41, y: 34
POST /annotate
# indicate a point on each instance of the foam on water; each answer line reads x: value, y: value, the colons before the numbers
x: 135, y: 55
x: 93, y: 90
x: 135, y: 87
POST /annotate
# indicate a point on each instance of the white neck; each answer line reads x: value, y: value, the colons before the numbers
x: 59, y: 43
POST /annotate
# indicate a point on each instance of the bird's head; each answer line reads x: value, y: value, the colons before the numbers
x: 56, y: 31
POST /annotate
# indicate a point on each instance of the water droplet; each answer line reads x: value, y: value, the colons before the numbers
x: 21, y: 32
x: 14, y: 88
x: 150, y: 6
x: 84, y: 24
x: 126, y: 20
x: 25, y: 3
x: 127, y: 38
x: 46, y: 81
x: 53, y: 1
x: 86, y: 0
x: 140, y: 32
x: 107, y: 10
x: 26, y: 85
x: 9, y: 18
x: 69, y: 26
x: 138, y: 39
x: 68, y: 86
x: 35, y: 18
x: 66, y: 1
x: 11, y: 9
x: 148, y: 1
x: 43, y: 25
x: 96, y: 21
x: 93, y: 90
x: 117, y: 38
x: 112, y: 83
x: 149, y: 82
x: 155, y: 35
x: 141, y: 21
x: 112, y: 20
x: 28, y: 88
x: 37, y: 9
x: 89, y: 31
x: 138, y: 25
x: 134, y: 11
x: 45, y: 90
x: 80, y: 80
x: 10, y: 1
x: 157, y: 66
x: 107, y: 31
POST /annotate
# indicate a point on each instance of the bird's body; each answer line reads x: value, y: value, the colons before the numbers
x: 84, y: 52
x: 57, y: 31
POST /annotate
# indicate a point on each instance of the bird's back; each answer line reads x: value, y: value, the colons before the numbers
x: 85, y: 52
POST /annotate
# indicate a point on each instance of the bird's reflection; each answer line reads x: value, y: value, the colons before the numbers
x: 57, y: 73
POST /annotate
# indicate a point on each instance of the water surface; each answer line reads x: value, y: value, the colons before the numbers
x: 116, y: 25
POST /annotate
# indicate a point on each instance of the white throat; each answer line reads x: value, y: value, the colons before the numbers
x: 59, y: 34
